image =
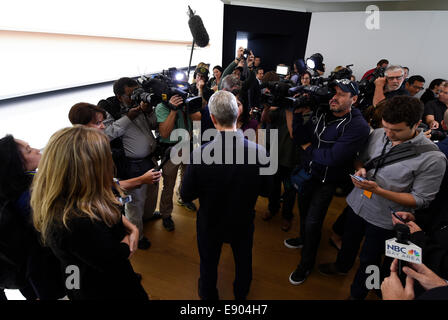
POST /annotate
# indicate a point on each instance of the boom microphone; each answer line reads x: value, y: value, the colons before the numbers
x: 200, y: 35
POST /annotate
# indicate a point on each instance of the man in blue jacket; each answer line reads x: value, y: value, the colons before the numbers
x: 330, y: 142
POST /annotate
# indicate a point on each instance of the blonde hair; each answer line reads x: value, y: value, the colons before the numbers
x: 74, y: 179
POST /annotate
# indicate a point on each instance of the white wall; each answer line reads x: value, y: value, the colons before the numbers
x: 415, y: 39
x: 51, y: 44
x: 48, y: 44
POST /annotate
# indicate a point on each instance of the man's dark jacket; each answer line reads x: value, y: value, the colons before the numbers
x: 335, y: 143
x: 227, y: 192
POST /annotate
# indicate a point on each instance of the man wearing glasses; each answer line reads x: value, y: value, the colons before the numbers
x: 414, y: 85
x: 390, y: 85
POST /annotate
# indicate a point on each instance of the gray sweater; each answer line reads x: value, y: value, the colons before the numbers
x: 420, y: 176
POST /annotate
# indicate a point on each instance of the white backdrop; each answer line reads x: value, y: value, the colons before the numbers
x: 415, y: 39
x: 50, y: 44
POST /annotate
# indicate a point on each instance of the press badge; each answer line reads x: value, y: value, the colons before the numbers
x: 368, y: 194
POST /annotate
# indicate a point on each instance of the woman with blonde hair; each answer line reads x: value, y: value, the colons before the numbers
x: 79, y: 218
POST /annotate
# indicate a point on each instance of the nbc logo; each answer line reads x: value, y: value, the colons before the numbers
x: 414, y: 253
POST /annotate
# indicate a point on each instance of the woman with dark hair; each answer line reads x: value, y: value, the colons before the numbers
x: 24, y: 263
x: 305, y: 79
x: 79, y: 216
x: 217, y: 76
x: 244, y: 121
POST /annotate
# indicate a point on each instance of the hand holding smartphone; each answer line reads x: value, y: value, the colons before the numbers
x: 394, y: 213
x: 360, y: 179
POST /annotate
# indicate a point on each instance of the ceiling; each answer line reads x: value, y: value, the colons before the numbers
x: 343, y: 5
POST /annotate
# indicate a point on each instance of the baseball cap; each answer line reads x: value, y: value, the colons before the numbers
x: 347, y: 86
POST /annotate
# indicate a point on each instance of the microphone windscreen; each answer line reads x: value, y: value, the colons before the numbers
x: 200, y: 35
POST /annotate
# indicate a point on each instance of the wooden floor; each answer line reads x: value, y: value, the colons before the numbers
x: 170, y: 268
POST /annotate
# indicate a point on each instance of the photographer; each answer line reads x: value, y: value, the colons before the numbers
x: 241, y: 65
x: 383, y: 63
x: 390, y: 85
x: 330, y: 141
x: 172, y: 115
x: 199, y: 86
x: 400, y: 169
x: 132, y: 123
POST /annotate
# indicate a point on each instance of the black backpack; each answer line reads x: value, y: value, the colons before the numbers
x: 112, y: 106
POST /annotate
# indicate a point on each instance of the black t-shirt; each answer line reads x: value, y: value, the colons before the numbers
x: 435, y: 108
x: 400, y: 92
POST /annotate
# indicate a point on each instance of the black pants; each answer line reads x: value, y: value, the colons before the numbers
x: 210, y: 251
x: 339, y: 224
x: 313, y: 206
x: 356, y: 228
x: 283, y: 175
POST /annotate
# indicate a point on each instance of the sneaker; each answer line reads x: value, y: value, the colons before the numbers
x: 144, y: 243
x: 168, y: 223
x: 294, y: 243
x: 286, y: 225
x: 155, y: 216
x: 330, y: 269
x: 298, y: 276
x: 190, y: 206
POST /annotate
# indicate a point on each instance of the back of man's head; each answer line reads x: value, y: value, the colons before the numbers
x: 403, y: 109
x: 231, y: 82
x: 224, y: 108
x: 122, y: 83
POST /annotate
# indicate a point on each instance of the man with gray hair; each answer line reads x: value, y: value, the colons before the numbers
x: 229, y: 83
x: 390, y: 85
x: 220, y: 176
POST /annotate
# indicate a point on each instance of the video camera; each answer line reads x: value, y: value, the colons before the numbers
x: 161, y: 87
x: 283, y: 94
x: 367, y: 88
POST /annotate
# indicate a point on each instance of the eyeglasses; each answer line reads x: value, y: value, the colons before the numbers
x: 417, y: 87
x: 394, y: 78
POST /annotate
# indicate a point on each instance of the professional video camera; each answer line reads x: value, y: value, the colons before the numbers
x: 161, y: 87
x: 283, y: 94
x: 344, y: 73
x: 367, y: 88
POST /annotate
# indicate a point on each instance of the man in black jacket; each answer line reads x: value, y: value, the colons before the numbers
x: 330, y: 142
x: 227, y: 193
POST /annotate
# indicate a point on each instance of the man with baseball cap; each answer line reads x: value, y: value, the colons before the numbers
x: 329, y: 142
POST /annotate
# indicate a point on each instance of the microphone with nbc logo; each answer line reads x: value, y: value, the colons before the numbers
x: 402, y: 249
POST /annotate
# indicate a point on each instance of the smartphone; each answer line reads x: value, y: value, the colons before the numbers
x: 394, y: 213
x: 358, y: 178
